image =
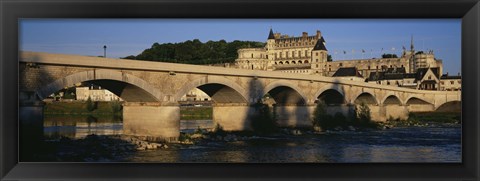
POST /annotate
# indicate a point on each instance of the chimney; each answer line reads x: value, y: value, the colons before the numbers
x: 304, y: 34
x: 319, y: 34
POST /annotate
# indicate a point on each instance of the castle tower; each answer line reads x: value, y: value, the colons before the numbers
x: 412, y: 60
x: 270, y: 45
x: 319, y: 56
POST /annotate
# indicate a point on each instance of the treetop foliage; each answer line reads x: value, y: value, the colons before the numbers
x: 195, y: 52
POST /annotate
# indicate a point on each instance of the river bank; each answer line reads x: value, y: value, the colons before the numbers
x: 74, y: 108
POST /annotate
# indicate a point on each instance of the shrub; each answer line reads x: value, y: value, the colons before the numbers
x: 363, y: 113
x: 340, y: 120
x: 219, y: 130
x: 322, y: 119
x: 263, y: 122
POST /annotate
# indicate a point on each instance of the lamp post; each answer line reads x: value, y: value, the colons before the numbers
x: 104, y: 51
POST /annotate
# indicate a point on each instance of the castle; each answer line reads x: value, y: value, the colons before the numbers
x: 308, y: 55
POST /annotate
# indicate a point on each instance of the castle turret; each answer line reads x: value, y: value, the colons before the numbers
x: 270, y: 45
x: 319, y: 56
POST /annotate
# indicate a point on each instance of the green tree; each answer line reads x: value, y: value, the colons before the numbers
x: 363, y: 113
x: 389, y: 56
x: 321, y: 118
x: 329, y: 58
x: 263, y: 122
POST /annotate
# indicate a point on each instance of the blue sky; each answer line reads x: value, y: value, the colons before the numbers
x: 125, y: 37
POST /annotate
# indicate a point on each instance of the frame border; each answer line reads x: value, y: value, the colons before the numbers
x: 12, y: 11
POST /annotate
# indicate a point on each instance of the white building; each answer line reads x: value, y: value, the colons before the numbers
x: 95, y: 94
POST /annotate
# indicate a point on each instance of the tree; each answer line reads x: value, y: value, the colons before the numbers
x: 363, y: 113
x: 329, y: 58
x: 321, y: 118
x: 195, y: 52
x: 389, y: 56
x: 263, y: 122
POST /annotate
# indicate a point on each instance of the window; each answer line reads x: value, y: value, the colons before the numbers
x: 306, y: 53
x: 317, y: 65
x: 341, y: 64
x: 368, y: 67
x: 451, y: 82
x: 316, y: 54
x: 252, y: 55
x: 459, y: 82
x: 430, y: 78
x: 293, y: 53
x: 316, y: 60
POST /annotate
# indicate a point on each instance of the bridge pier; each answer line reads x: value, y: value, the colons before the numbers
x: 153, y: 120
x: 233, y: 117
x: 396, y: 111
x: 294, y: 115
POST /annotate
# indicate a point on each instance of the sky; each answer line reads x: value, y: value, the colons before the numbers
x: 125, y: 37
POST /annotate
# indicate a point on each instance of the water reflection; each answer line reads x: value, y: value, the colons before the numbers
x: 76, y: 127
x: 411, y: 144
x: 394, y: 145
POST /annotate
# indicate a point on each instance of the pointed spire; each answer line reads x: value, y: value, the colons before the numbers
x: 270, y: 35
x: 411, y: 44
x: 320, y: 45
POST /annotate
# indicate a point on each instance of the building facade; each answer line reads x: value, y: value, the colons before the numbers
x: 308, y: 55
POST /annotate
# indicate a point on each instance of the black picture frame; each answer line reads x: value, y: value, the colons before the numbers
x: 11, y: 11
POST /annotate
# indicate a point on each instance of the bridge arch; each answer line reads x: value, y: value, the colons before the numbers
x: 331, y: 94
x: 415, y: 100
x: 365, y: 97
x: 284, y: 92
x: 220, y: 89
x: 450, y: 106
x: 130, y: 88
x: 365, y: 94
x: 392, y: 99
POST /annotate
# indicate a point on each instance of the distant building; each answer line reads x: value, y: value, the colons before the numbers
x: 450, y: 83
x: 349, y: 73
x: 423, y: 79
x: 196, y: 95
x: 95, y: 94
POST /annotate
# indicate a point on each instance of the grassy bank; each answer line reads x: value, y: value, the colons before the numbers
x: 426, y: 118
x: 196, y: 113
x: 80, y: 108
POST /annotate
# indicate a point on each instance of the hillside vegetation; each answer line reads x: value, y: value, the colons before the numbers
x: 195, y: 52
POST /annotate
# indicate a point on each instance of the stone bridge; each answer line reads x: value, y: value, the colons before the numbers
x: 151, y: 91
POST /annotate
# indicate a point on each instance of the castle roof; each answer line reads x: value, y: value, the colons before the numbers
x: 270, y: 35
x: 320, y: 45
x: 421, y: 72
x: 347, y: 72
x: 446, y: 76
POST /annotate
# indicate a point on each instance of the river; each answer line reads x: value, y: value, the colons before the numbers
x: 434, y: 143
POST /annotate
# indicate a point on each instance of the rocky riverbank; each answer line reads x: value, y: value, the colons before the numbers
x: 94, y: 148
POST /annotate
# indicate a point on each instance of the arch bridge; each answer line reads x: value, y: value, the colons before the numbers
x: 151, y: 91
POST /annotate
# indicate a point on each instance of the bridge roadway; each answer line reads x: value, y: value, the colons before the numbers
x: 151, y: 91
